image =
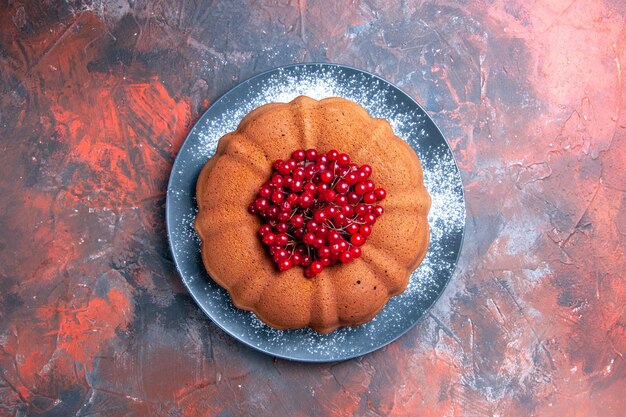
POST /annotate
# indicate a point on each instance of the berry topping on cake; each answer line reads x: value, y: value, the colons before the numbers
x: 317, y: 210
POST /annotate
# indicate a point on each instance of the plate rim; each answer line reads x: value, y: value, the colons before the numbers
x: 169, y: 222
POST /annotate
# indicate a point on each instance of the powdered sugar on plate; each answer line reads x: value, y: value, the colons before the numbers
x: 441, y: 178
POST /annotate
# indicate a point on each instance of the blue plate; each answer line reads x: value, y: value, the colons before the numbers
x: 441, y: 177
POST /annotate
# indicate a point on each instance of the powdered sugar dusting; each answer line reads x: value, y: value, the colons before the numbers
x: 284, y: 86
x: 441, y: 178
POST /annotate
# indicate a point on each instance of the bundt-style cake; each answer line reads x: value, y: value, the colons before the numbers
x: 312, y: 213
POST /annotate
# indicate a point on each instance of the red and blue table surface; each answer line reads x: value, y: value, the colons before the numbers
x: 97, y: 97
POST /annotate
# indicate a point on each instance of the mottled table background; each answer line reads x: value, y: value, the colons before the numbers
x: 96, y: 98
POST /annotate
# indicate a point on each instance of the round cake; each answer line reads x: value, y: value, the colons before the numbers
x: 382, y: 238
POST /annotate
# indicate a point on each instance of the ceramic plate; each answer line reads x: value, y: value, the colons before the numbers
x: 409, y: 121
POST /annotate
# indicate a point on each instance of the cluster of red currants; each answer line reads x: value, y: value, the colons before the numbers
x: 317, y: 210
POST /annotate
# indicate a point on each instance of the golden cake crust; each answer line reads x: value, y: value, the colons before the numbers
x: 341, y: 295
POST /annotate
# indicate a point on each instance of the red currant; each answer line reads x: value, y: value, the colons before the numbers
x: 312, y: 226
x: 298, y: 155
x: 320, y: 216
x: 285, y: 206
x: 348, y: 211
x: 346, y: 257
x: 323, y: 252
x: 329, y: 196
x: 327, y: 176
x: 277, y: 181
x: 296, y: 185
x: 357, y: 240
x: 280, y: 254
x: 316, y: 267
x: 331, y: 211
x: 369, y: 218
x: 360, y: 188
x: 361, y: 209
x: 282, y: 239
x: 284, y: 168
x: 369, y: 198
x: 298, y: 174
x: 265, y: 191
x: 343, y: 160
x: 321, y: 231
x: 355, y: 251
x: 305, y: 200
x: 342, y: 187
x: 261, y: 204
x: 322, y: 188
x: 282, y: 216
x: 334, y: 237
x: 269, y: 238
x: 272, y: 212
x: 292, y: 199
x: 320, y: 167
x: 351, y: 179
x: 309, y: 238
x: 340, y: 219
x: 353, y: 228
x: 284, y: 265
x: 335, y: 249
x: 282, y: 227
x: 277, y: 163
x: 297, y: 220
x: 278, y: 196
x: 353, y: 198
x: 311, y: 154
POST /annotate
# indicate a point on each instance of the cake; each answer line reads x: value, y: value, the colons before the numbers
x: 314, y: 288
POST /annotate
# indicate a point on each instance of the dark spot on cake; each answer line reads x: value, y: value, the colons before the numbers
x: 358, y: 282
